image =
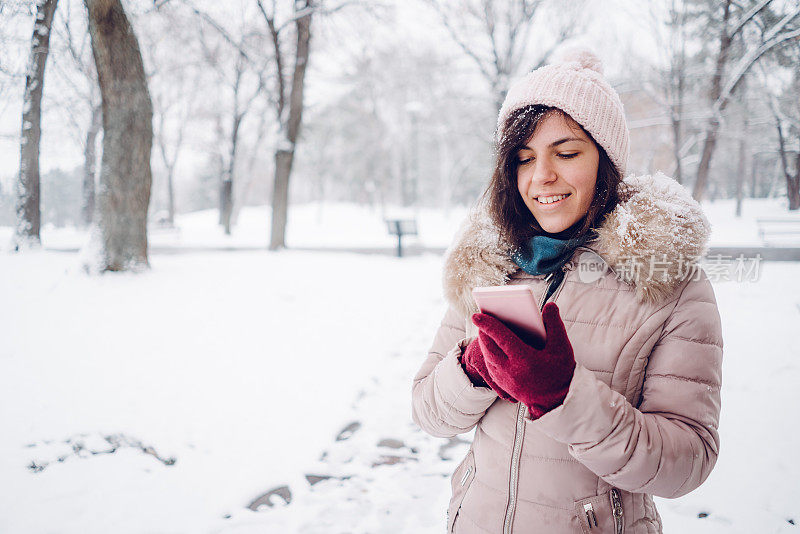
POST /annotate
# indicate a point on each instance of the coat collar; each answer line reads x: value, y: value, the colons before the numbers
x: 658, y: 222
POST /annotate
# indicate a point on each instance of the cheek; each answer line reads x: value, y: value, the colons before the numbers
x: 586, y: 190
x: 586, y: 181
x: 586, y: 187
x: 522, y: 184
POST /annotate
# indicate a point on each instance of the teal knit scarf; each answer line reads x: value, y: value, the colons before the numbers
x: 544, y: 254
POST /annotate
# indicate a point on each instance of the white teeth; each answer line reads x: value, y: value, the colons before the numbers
x: 548, y: 200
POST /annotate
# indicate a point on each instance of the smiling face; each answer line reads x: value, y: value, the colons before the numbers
x: 557, y: 172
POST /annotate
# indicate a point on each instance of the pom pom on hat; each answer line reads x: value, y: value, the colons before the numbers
x: 584, y: 57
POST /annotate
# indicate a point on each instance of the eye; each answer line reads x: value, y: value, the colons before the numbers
x: 568, y: 155
x: 523, y: 161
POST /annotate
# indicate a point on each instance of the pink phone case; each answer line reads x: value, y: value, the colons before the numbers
x: 515, y: 305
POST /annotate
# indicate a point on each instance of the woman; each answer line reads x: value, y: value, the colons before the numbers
x: 621, y: 402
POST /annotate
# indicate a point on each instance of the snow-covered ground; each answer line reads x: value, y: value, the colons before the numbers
x: 216, y: 377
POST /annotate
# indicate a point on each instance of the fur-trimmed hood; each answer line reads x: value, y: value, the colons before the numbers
x: 659, y: 219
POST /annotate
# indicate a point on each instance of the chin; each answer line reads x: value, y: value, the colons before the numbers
x: 552, y: 227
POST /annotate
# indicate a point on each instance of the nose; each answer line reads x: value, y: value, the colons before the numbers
x: 543, y: 174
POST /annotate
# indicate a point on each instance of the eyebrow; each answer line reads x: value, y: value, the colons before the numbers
x: 559, y: 142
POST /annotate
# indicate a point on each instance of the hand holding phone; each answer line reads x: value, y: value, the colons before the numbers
x: 516, y: 306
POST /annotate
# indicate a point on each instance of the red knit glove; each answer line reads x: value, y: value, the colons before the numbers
x: 537, y: 377
x: 475, y: 367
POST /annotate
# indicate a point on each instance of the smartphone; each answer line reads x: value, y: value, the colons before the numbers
x: 516, y: 306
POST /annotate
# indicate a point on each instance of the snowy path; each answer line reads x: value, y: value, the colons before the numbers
x: 244, y: 367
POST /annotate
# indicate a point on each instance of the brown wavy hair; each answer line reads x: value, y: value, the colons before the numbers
x: 515, y: 223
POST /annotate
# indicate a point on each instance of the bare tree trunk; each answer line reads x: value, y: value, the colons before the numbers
x: 243, y: 192
x: 793, y: 185
x: 676, y: 138
x: 90, y: 165
x: 226, y: 198
x: 169, y: 162
x: 284, y: 155
x: 740, y: 173
x: 171, y: 195
x: 716, y: 90
x: 169, y: 165
x: 677, y: 119
x: 792, y: 181
x: 220, y: 160
x: 445, y: 167
x: 226, y: 188
x: 125, y: 174
x: 414, y: 164
x: 280, y: 198
x: 677, y: 81
x: 743, y: 151
x: 226, y: 202
x: 28, y: 221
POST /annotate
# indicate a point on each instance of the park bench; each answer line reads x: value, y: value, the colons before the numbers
x: 769, y: 227
x: 401, y: 227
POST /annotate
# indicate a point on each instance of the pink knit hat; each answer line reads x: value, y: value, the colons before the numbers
x: 576, y: 86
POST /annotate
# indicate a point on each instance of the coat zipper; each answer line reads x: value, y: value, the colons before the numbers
x: 466, y: 475
x: 591, y: 519
x: 519, y: 432
x: 616, y: 508
x: 512, y: 483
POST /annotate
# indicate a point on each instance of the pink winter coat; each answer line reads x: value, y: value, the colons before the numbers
x: 642, y: 411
